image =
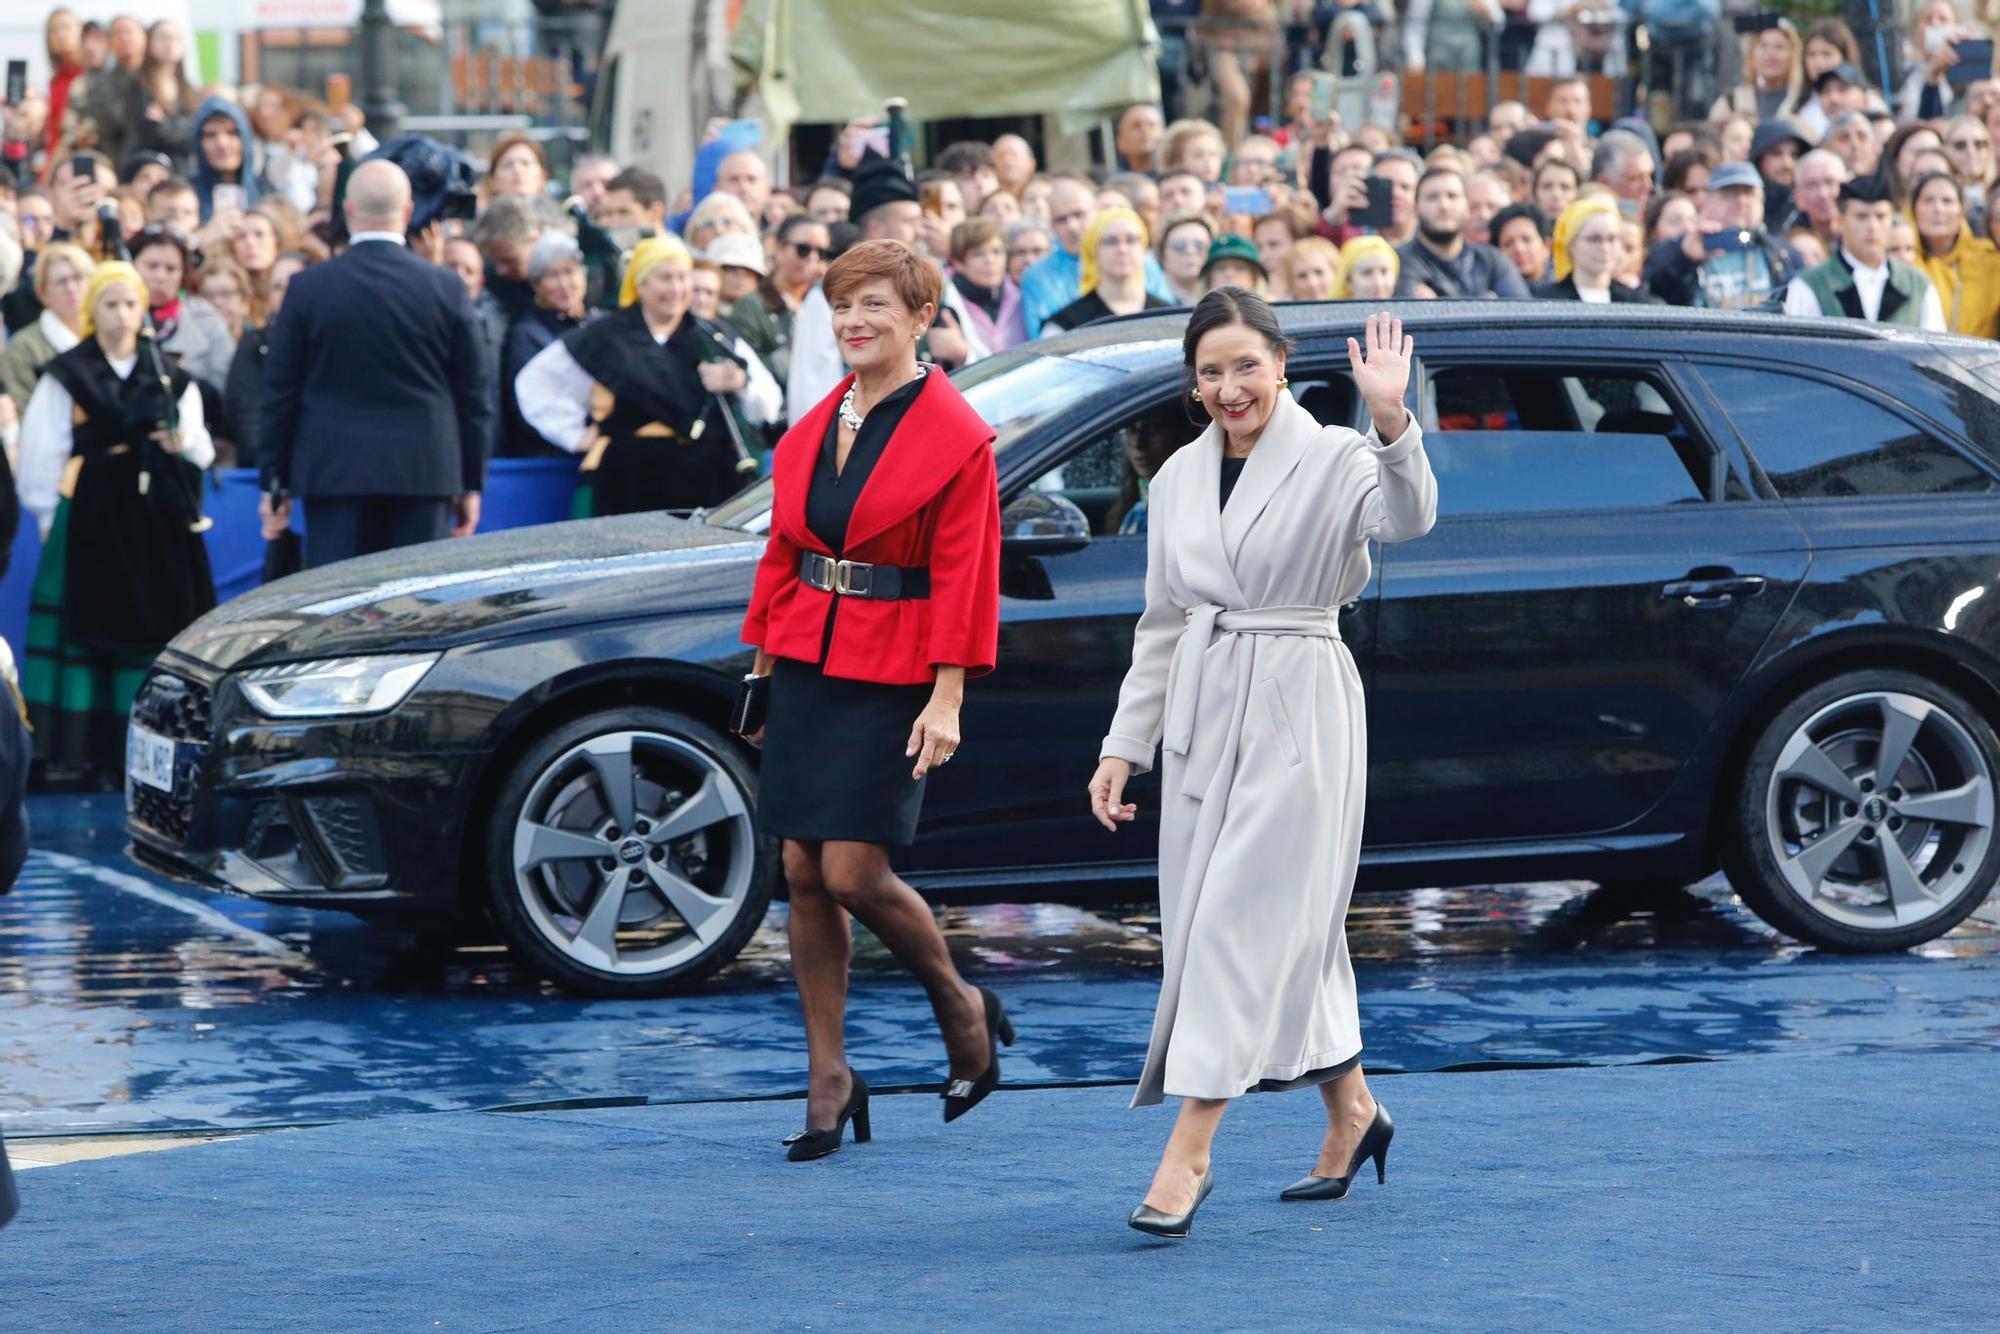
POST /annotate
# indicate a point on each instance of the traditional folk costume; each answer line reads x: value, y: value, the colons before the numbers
x: 1238, y: 668
x: 123, y: 567
x: 664, y: 441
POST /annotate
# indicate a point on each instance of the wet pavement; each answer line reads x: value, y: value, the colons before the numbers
x: 129, y: 1004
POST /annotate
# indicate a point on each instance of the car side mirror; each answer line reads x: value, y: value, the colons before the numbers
x: 1041, y: 523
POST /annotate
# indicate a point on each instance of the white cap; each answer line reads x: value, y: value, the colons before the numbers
x: 734, y: 250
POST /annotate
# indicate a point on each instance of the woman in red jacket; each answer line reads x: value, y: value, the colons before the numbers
x: 878, y: 595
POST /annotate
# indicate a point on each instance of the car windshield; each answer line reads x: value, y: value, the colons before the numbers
x: 1015, y: 392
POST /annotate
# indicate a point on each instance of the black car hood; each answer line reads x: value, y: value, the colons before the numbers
x: 442, y: 594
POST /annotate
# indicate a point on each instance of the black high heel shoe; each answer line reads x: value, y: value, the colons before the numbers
x: 1150, y: 1220
x: 962, y: 1095
x: 1374, y: 1144
x: 802, y: 1146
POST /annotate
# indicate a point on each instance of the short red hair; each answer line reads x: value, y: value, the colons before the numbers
x: 918, y: 281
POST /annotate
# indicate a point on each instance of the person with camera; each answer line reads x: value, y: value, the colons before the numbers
x: 878, y: 596
x: 1730, y: 261
x: 378, y: 400
x: 1938, y: 69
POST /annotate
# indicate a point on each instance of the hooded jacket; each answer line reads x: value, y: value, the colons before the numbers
x: 1967, y: 282
x: 205, y: 178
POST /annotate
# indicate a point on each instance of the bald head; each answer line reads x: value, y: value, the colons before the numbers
x: 378, y: 198
x: 744, y: 175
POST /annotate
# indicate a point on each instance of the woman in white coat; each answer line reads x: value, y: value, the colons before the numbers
x: 1258, y: 532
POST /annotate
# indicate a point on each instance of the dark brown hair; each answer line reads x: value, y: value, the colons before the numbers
x: 1221, y: 308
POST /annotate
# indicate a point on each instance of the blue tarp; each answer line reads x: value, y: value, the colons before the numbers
x: 519, y: 492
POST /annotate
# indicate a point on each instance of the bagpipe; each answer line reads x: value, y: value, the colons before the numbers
x: 164, y: 480
x: 600, y: 248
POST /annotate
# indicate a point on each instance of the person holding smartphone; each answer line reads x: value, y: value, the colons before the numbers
x: 1730, y: 261
x: 225, y: 178
x: 1944, y: 57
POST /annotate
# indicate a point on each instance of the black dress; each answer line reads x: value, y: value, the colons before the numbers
x: 834, y: 766
x: 1090, y: 309
x: 664, y: 444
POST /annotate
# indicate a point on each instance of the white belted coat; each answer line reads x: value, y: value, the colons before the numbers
x: 1238, y: 668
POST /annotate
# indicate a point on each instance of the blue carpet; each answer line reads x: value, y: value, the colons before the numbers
x: 1826, y: 1193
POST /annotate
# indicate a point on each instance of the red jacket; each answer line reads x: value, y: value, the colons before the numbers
x: 932, y: 501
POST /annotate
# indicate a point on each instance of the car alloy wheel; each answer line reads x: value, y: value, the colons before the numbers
x: 633, y: 855
x: 1870, y: 806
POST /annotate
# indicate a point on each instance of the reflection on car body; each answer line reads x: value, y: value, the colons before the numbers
x: 1704, y: 590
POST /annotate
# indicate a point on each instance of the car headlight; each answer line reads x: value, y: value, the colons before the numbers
x: 336, y: 687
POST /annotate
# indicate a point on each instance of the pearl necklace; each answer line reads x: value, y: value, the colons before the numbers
x: 852, y: 419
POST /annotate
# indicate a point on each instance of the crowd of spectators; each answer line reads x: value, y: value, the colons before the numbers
x: 1794, y: 185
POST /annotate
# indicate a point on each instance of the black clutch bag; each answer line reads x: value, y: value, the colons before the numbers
x: 753, y: 697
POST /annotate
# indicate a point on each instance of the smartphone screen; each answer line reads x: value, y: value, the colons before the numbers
x: 1975, y: 62
x: 1379, y: 212
x: 227, y: 197
x: 17, y: 82
x: 877, y: 139
x: 1252, y: 201
x: 1322, y: 97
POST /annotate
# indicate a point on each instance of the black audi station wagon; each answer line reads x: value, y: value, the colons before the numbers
x: 1705, y: 589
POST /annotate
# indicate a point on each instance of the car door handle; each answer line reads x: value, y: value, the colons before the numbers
x: 1706, y: 594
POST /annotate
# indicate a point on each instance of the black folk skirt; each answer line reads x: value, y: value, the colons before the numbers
x: 833, y: 766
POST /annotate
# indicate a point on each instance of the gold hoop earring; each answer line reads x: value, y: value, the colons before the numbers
x: 1195, y: 394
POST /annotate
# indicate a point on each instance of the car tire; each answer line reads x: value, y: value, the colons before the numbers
x: 644, y: 803
x: 1824, y: 847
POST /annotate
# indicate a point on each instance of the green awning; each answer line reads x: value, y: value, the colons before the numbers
x: 832, y: 60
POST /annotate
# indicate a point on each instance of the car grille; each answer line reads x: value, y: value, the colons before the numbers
x: 178, y: 708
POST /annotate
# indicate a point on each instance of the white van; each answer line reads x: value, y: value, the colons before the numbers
x: 664, y: 75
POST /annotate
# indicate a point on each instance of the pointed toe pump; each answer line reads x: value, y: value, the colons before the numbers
x: 1374, y: 1144
x: 805, y: 1145
x: 1155, y: 1223
x: 962, y: 1095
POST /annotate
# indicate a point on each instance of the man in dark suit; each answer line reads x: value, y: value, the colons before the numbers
x: 378, y: 404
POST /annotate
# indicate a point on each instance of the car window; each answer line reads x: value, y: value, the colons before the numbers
x: 1509, y: 439
x: 1816, y: 440
x: 1016, y: 392
x: 1329, y: 398
x: 1105, y: 476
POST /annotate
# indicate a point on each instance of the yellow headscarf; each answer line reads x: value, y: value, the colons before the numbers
x: 1090, y: 238
x: 1358, y: 249
x: 1571, y: 222
x: 648, y: 255
x: 109, y: 274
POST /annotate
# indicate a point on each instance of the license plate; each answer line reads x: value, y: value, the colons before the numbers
x: 149, y: 758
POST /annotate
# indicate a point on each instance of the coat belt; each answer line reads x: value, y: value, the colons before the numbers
x: 1204, y: 623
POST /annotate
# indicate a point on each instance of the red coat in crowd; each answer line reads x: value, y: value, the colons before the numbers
x: 932, y: 501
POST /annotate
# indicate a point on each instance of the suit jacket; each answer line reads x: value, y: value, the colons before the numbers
x: 377, y: 382
x: 932, y: 501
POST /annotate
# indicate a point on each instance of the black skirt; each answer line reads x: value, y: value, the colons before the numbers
x: 833, y: 765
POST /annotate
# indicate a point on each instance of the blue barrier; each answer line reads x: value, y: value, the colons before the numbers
x: 519, y: 493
